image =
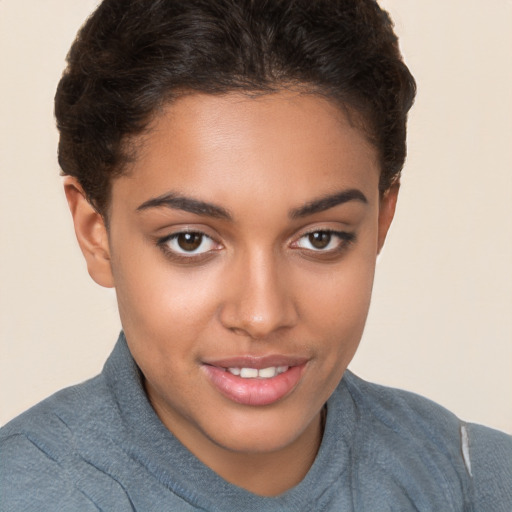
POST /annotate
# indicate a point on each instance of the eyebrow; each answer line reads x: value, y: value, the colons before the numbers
x: 198, y: 207
x: 187, y: 204
x: 326, y: 202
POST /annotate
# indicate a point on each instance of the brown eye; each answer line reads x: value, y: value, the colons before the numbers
x: 188, y: 244
x: 189, y: 241
x: 324, y: 241
x: 320, y: 239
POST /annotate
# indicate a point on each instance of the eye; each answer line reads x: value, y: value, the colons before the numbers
x: 188, y: 244
x: 324, y: 240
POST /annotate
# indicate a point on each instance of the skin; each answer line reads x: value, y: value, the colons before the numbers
x: 257, y: 286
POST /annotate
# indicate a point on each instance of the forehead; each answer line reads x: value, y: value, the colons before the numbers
x: 225, y: 146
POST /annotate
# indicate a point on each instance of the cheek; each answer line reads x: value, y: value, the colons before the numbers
x: 336, y: 308
x: 162, y: 303
x: 340, y: 298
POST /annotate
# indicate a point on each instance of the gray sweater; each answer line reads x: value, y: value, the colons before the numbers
x: 100, y: 446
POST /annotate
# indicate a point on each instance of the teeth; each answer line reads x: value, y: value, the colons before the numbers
x: 254, y: 373
x: 266, y: 373
x: 248, y: 373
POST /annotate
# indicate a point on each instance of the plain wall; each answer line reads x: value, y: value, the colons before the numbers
x: 440, y: 322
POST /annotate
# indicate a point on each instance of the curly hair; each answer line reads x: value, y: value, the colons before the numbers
x: 131, y: 57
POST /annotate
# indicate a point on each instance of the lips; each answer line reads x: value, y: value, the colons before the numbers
x: 255, y: 381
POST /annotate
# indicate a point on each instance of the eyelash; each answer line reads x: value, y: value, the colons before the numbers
x: 192, y: 257
x: 344, y: 240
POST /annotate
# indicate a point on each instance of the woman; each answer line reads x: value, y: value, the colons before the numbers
x: 232, y: 169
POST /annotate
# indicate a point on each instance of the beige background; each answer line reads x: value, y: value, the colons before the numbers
x: 441, y: 321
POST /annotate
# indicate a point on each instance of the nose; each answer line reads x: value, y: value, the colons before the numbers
x: 260, y: 298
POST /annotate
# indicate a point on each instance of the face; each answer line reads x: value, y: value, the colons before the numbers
x: 242, y: 245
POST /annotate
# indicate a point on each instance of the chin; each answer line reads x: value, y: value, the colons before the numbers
x: 260, y: 436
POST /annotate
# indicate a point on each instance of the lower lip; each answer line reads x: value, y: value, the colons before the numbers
x: 254, y: 391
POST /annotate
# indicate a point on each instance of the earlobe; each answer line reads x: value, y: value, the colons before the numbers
x: 91, y: 233
x: 387, y: 212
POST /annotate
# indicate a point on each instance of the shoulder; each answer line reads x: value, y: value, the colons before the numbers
x: 415, y: 432
x: 490, y: 455
x: 40, y: 449
x: 399, y: 410
x: 50, y: 418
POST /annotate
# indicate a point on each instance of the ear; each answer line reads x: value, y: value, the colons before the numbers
x: 387, y: 212
x: 91, y: 233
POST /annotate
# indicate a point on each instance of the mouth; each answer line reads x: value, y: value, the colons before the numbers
x: 255, y: 381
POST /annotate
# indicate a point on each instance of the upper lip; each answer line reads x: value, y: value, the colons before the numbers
x: 257, y: 362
